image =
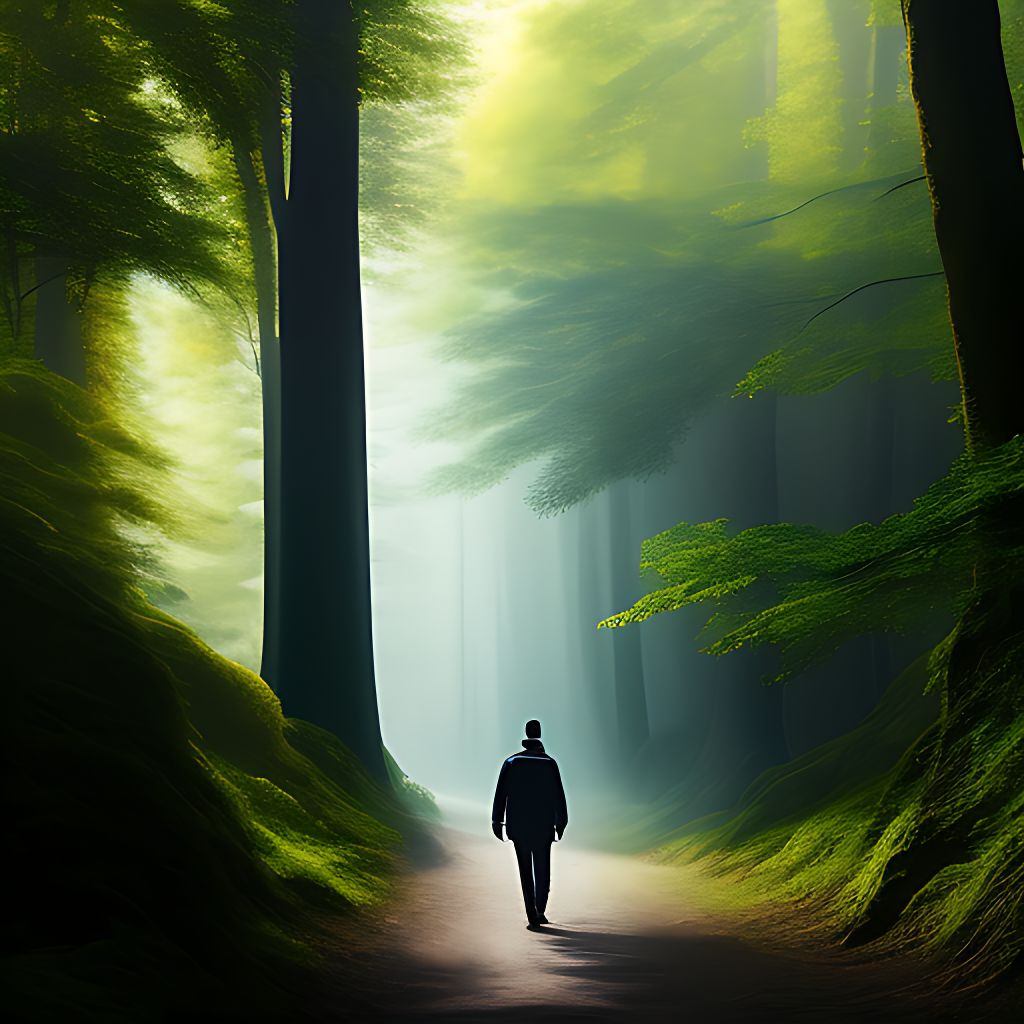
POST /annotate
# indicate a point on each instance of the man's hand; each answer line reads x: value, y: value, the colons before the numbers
x: 496, y: 829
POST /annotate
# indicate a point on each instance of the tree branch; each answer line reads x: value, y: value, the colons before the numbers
x: 38, y: 285
x: 902, y: 184
x: 814, y: 199
x: 870, y: 284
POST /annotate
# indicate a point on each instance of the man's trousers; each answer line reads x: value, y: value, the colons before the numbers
x: 534, y: 858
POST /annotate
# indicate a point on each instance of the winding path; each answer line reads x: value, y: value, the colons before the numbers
x: 628, y: 941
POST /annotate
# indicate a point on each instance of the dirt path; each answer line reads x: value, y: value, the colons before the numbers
x: 628, y: 941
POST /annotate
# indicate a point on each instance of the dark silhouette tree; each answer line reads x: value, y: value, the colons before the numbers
x: 324, y: 668
x: 281, y: 86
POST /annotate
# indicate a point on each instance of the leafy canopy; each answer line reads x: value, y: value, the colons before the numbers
x: 651, y: 244
x: 85, y: 170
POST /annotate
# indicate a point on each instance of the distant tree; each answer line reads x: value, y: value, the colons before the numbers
x: 229, y: 68
x: 633, y: 315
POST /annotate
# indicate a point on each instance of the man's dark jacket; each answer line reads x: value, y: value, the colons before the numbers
x: 529, y: 797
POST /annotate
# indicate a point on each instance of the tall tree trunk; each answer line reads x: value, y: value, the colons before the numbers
x: 881, y: 441
x: 59, y: 343
x: 888, y: 44
x: 972, y: 158
x: 257, y: 193
x: 467, y: 723
x: 764, y: 714
x: 594, y: 599
x: 624, y: 555
x: 325, y: 661
x: 849, y: 19
x: 755, y: 713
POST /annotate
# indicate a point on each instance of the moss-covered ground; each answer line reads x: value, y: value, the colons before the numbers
x: 167, y: 830
x: 905, y: 836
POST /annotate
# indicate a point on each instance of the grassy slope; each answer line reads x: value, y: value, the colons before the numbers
x: 788, y: 792
x: 168, y: 828
x: 891, y: 835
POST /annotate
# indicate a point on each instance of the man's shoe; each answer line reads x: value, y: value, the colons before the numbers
x: 543, y: 920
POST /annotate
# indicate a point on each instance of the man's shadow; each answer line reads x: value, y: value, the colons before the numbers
x: 721, y: 979
x: 672, y: 974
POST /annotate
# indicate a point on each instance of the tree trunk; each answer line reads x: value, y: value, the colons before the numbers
x: 630, y: 695
x: 764, y: 716
x: 849, y: 20
x: 325, y: 661
x: 888, y: 44
x: 881, y: 441
x: 594, y: 594
x: 59, y: 343
x: 257, y: 199
x: 972, y: 158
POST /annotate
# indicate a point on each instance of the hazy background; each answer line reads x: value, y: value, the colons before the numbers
x: 597, y: 163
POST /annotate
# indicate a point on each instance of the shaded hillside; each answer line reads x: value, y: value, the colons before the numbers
x: 830, y: 833
x: 788, y: 792
x: 167, y: 826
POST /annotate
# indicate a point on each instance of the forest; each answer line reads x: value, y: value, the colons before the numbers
x: 376, y: 378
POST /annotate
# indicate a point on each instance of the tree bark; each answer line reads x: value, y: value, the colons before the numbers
x: 325, y: 663
x: 972, y: 159
x: 756, y: 711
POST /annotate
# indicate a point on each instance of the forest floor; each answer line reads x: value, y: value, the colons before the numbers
x: 629, y: 940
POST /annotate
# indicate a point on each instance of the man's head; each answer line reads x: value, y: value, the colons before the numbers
x: 533, y: 729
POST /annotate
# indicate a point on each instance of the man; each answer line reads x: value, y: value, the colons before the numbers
x: 530, y: 802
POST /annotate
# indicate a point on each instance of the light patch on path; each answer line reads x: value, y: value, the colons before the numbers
x: 628, y: 940
x: 466, y: 918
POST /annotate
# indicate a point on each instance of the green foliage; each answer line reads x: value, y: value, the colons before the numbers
x: 408, y: 50
x: 1011, y: 14
x: 806, y: 591
x: 600, y: 371
x: 626, y: 298
x: 166, y: 822
x: 927, y: 856
x: 85, y: 173
x: 413, y: 66
x: 568, y: 372
x: 886, y: 13
x: 73, y: 474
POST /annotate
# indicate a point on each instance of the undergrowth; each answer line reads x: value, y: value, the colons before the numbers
x: 927, y: 856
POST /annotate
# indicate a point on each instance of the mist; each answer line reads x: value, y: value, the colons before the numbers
x: 592, y: 191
